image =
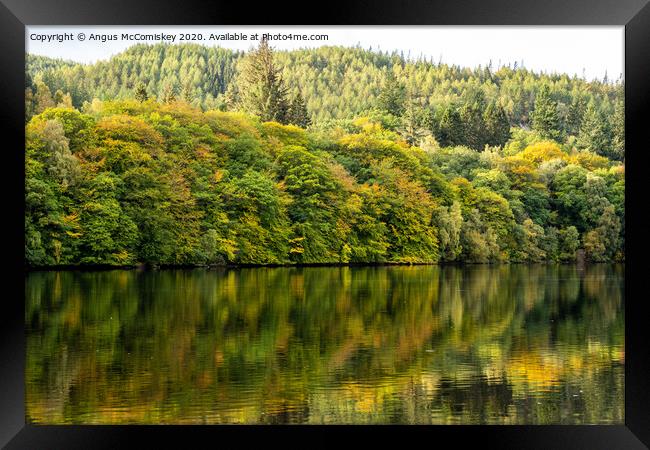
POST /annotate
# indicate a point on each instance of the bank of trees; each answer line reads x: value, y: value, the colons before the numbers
x: 164, y: 183
x: 331, y: 85
x: 161, y: 180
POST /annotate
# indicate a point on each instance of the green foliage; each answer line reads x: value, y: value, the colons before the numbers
x: 298, y: 114
x: 392, y: 96
x: 340, y: 83
x: 141, y: 94
x: 444, y: 171
x: 545, y: 118
x: 595, y: 134
x: 261, y: 89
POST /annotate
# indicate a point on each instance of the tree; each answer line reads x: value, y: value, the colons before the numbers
x: 545, y: 115
x: 169, y: 93
x: 450, y: 128
x: 575, y: 114
x: 595, y: 133
x: 569, y: 243
x: 601, y: 243
x: 412, y: 121
x: 261, y: 88
x: 618, y: 131
x: 298, y: 114
x: 188, y: 91
x: 43, y: 97
x: 471, y: 114
x: 141, y: 94
x: 497, y: 126
x: 392, y: 95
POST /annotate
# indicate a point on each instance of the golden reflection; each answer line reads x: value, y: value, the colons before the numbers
x: 422, y: 344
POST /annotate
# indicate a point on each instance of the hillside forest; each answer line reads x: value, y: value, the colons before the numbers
x: 193, y: 155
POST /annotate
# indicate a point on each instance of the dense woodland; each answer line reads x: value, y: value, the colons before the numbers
x: 193, y: 155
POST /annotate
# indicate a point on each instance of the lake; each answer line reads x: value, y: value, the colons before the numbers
x: 503, y: 344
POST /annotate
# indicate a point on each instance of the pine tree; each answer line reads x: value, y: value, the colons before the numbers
x: 298, y: 114
x: 169, y: 93
x: 188, y: 92
x: 497, y: 126
x: 412, y: 119
x: 392, y: 96
x: 471, y: 115
x: 618, y: 130
x: 574, y: 116
x: 141, y: 92
x: 261, y: 88
x: 450, y: 129
x: 595, y: 133
x: 545, y: 116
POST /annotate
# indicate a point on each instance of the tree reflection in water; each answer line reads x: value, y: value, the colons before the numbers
x: 524, y: 344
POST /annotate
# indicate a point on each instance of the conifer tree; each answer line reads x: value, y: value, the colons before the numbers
x: 450, y: 129
x: 595, y: 133
x: 141, y: 92
x: 188, y: 92
x: 545, y: 116
x: 497, y: 126
x: 412, y: 120
x: 392, y: 96
x: 169, y: 93
x: 261, y: 88
x: 471, y: 115
x: 298, y: 114
x: 618, y: 130
x: 574, y: 116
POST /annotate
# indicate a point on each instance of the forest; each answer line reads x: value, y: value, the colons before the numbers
x: 190, y: 155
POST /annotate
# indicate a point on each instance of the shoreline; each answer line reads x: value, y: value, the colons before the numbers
x: 153, y: 268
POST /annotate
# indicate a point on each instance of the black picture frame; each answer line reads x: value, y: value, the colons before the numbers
x: 15, y: 14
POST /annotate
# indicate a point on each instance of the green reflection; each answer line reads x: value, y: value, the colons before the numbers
x: 423, y: 344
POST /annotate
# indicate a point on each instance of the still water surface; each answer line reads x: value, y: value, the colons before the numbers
x: 514, y: 344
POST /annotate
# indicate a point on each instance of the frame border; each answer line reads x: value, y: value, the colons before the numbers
x: 633, y: 14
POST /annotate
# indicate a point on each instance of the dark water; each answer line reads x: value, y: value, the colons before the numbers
x: 442, y: 345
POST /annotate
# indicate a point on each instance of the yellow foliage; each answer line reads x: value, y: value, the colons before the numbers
x: 71, y: 218
x: 122, y: 256
x: 367, y: 125
x: 129, y: 128
x: 543, y: 151
x: 287, y: 134
x: 590, y: 160
x: 231, y: 124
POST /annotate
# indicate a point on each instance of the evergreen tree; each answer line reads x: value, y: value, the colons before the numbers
x: 412, y: 121
x: 618, y: 131
x: 450, y: 128
x: 298, y: 114
x: 169, y: 93
x: 261, y: 88
x: 595, y: 133
x: 497, y: 126
x: 392, y: 96
x: 471, y: 115
x: 188, y: 92
x: 545, y: 115
x: 575, y: 114
x: 141, y: 92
